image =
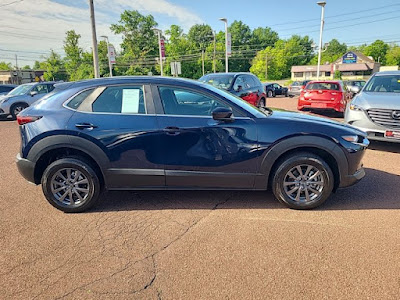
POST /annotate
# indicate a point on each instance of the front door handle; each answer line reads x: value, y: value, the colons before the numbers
x: 172, y: 130
x: 85, y: 126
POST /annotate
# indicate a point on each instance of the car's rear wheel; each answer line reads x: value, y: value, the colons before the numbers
x: 71, y: 185
x: 303, y: 181
x: 16, y: 109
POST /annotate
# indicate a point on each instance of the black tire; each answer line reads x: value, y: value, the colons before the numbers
x: 51, y: 179
x: 304, y: 160
x: 270, y: 94
x: 287, y: 94
x: 291, y: 96
x: 261, y: 103
x: 16, y: 108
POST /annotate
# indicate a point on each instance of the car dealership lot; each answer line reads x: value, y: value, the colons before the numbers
x: 180, y: 245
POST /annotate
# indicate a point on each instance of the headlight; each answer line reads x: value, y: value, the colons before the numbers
x: 356, y: 139
x: 355, y: 107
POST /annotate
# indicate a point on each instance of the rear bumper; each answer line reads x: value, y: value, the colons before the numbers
x: 336, y: 106
x: 26, y: 168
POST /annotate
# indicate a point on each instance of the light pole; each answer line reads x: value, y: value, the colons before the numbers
x: 322, y: 4
x: 225, y: 20
x: 94, y: 40
x: 159, y: 48
x: 108, y: 54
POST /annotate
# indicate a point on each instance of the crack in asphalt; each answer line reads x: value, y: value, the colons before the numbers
x: 141, y: 224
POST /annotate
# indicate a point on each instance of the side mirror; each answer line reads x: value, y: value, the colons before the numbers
x: 355, y: 89
x: 222, y: 114
x: 33, y: 93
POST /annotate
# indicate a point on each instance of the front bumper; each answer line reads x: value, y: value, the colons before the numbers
x: 26, y: 168
x: 349, y: 180
x: 360, y: 120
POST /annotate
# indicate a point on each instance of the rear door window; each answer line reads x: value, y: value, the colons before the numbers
x: 120, y: 99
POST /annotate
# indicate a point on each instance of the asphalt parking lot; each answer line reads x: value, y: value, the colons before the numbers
x: 202, y: 245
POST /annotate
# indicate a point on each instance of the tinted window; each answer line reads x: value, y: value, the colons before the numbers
x: 219, y: 81
x: 78, y: 99
x: 40, y: 89
x: 251, y: 81
x: 185, y: 102
x: 323, y: 86
x: 117, y: 99
x: 50, y: 87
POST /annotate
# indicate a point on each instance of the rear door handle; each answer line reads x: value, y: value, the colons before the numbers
x: 85, y: 126
x: 172, y: 130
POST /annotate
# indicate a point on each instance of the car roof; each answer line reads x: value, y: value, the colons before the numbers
x: 383, y: 73
x: 9, y: 85
x: 230, y: 73
x: 129, y: 79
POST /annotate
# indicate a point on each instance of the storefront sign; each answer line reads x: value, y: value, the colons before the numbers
x: 349, y: 58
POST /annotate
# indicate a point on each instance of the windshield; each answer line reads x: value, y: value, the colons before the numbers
x: 21, y: 90
x: 219, y: 81
x: 384, y: 84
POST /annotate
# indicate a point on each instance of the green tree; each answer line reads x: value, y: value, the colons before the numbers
x: 5, y: 66
x: 280, y: 58
x: 27, y: 67
x: 73, y: 54
x: 334, y: 51
x: 262, y: 37
x: 393, y: 56
x: 377, y: 50
x: 36, y: 65
x: 241, y: 55
x: 53, y: 66
x: 138, y: 43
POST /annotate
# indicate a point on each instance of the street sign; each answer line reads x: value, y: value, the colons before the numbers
x: 349, y: 58
x: 162, y: 47
x: 111, y: 54
x: 176, y: 68
x: 229, y: 45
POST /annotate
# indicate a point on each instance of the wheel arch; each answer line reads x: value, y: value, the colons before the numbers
x: 52, y: 148
x: 325, y: 148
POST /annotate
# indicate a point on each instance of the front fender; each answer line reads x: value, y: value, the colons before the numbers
x: 273, y: 153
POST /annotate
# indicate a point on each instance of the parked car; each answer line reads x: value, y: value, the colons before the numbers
x: 376, y: 109
x: 274, y: 89
x: 244, y: 85
x: 354, y: 86
x: 159, y: 133
x: 6, y: 88
x: 324, y: 95
x: 296, y: 87
x: 23, y: 96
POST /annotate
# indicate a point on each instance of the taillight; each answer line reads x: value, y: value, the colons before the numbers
x: 26, y: 119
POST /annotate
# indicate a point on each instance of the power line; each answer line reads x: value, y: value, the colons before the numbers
x: 11, y: 3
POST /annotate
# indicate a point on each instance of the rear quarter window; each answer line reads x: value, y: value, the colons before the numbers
x: 78, y: 99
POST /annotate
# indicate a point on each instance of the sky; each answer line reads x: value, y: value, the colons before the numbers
x: 30, y: 28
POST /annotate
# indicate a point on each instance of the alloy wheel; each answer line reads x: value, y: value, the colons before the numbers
x: 304, y: 183
x: 70, y: 187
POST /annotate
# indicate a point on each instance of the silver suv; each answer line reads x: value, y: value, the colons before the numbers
x: 23, y: 96
x: 376, y: 109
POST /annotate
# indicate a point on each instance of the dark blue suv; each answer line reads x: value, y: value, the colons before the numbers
x: 158, y: 133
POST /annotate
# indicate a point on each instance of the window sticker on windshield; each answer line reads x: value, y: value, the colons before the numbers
x: 130, y: 101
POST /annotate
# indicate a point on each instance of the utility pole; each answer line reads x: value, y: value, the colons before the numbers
x: 215, y: 49
x: 16, y: 62
x: 94, y: 40
x: 225, y: 20
x: 266, y: 66
x: 202, y: 60
x: 108, y: 54
x: 322, y: 4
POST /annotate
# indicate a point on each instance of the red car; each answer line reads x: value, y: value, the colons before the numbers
x: 324, y: 95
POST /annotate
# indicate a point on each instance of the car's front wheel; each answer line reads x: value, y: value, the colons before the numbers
x: 303, y: 181
x: 71, y: 185
x: 270, y: 94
